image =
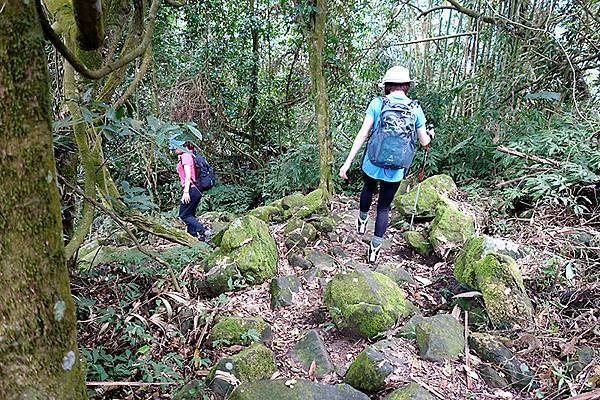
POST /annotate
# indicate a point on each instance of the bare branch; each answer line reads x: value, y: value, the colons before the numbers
x: 432, y: 39
x: 424, y: 13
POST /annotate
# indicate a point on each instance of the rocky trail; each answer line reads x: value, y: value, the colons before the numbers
x: 444, y: 314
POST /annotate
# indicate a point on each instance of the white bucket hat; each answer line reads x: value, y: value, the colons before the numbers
x: 397, y: 74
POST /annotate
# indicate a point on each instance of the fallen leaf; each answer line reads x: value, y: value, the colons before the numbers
x: 423, y: 280
x: 569, y: 347
x: 312, y: 369
x: 467, y: 295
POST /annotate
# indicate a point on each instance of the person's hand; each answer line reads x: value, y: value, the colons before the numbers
x: 185, y: 199
x: 343, y: 171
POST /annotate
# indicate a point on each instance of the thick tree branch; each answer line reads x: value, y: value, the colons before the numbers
x: 90, y: 23
x: 472, y: 13
x: 107, y: 69
x: 424, y: 13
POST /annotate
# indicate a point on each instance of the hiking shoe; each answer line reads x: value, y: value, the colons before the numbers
x: 361, y: 225
x: 373, y: 253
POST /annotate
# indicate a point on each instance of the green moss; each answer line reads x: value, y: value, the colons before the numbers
x: 464, y: 267
x: 433, y: 192
x: 248, y: 242
x: 265, y: 213
x: 498, y: 278
x: 364, y: 302
x: 440, y: 337
x: 255, y: 363
x: 450, y: 229
x: 312, y: 202
x: 412, y: 391
x: 368, y: 371
x: 418, y: 242
x: 234, y: 330
x: 301, y: 389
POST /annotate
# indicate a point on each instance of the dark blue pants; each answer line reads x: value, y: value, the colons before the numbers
x: 387, y: 191
x: 187, y: 212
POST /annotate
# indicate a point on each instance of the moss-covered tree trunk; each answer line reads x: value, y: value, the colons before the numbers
x: 316, y: 41
x: 38, y: 343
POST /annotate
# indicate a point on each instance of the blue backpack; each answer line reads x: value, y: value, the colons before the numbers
x: 392, y: 142
x: 205, y: 174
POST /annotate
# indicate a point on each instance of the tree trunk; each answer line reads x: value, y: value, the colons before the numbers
x: 252, y: 104
x: 316, y: 41
x: 38, y: 342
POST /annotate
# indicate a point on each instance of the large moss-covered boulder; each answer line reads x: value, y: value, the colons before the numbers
x: 440, y: 337
x: 369, y: 370
x: 433, y: 192
x: 233, y: 330
x: 193, y: 390
x: 365, y: 303
x: 300, y: 206
x: 295, y: 389
x: 250, y: 248
x: 255, y: 363
x: 450, y: 229
x: 491, y: 349
x: 499, y: 280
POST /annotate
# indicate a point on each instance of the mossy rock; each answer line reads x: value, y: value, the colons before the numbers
x: 417, y: 241
x: 320, y: 259
x: 369, y: 370
x: 282, y: 289
x: 408, y: 330
x: 365, y: 303
x: 249, y: 243
x: 240, y: 330
x: 255, y: 363
x: 300, y: 206
x: 223, y: 273
x: 395, y: 272
x: 194, y: 390
x: 298, y: 389
x: 499, y: 280
x: 433, y: 192
x: 440, y: 337
x: 309, y: 349
x: 450, y: 229
x: 299, y: 233
x: 323, y: 223
x: 412, y: 391
x: 490, y: 349
x: 266, y: 213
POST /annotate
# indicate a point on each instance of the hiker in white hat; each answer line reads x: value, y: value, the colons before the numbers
x: 392, y: 123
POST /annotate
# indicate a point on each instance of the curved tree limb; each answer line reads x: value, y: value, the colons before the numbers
x: 90, y: 23
x: 137, y: 79
x: 472, y: 13
x: 424, y: 13
x: 110, y: 67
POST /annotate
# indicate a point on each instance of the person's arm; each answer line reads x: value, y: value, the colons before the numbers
x: 424, y: 138
x: 185, y: 198
x: 361, y: 136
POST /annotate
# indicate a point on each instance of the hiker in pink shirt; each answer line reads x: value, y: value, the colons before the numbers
x: 186, y: 169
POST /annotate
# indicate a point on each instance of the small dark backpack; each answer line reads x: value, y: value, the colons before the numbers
x: 392, y: 142
x: 205, y: 174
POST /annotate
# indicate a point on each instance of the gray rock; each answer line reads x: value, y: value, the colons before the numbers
x: 297, y: 389
x: 490, y: 349
x: 395, y: 272
x: 412, y: 391
x: 440, y: 337
x: 323, y: 223
x: 299, y: 233
x: 492, y: 377
x: 296, y: 260
x: 312, y: 274
x: 319, y: 259
x: 501, y: 246
x: 282, y: 290
x: 312, y: 348
x: 583, y: 356
x: 220, y: 278
x: 407, y: 331
x: 232, y: 330
x: 338, y: 252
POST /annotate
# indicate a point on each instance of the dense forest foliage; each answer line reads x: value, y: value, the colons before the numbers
x: 273, y: 93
